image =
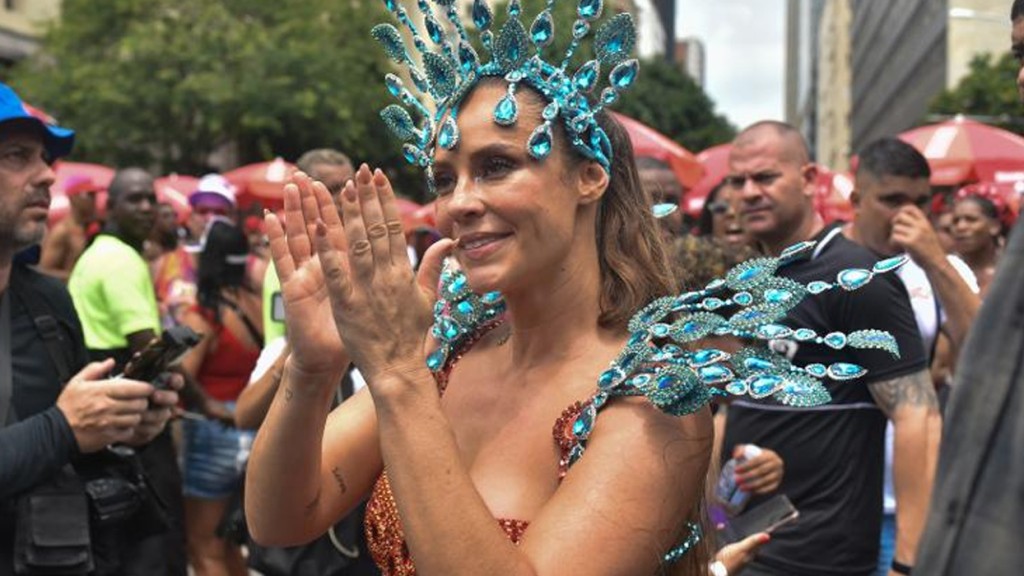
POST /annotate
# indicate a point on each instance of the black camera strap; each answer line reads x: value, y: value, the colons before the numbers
x: 6, y: 368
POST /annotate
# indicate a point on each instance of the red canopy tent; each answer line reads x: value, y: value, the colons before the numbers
x: 963, y: 150
x: 716, y: 165
x: 65, y: 171
x: 653, y: 144
x: 262, y: 182
x: 175, y: 190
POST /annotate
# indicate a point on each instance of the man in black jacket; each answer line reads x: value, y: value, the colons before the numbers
x: 49, y: 415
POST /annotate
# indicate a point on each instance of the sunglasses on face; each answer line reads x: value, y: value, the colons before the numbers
x: 760, y: 179
x: 718, y: 207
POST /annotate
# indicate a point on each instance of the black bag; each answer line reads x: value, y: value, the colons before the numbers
x: 340, y: 552
x: 52, y: 535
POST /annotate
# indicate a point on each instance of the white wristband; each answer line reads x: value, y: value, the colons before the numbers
x: 718, y: 569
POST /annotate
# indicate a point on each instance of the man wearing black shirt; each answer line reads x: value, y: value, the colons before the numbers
x: 833, y: 454
x: 49, y: 423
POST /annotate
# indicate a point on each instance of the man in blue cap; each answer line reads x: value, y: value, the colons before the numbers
x: 55, y: 407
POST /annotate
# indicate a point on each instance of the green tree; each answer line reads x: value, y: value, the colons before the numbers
x: 988, y: 93
x: 166, y: 82
x: 668, y: 100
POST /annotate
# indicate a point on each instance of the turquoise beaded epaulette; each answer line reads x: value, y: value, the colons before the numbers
x: 657, y: 362
x: 450, y: 66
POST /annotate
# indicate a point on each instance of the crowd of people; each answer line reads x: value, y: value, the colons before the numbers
x: 546, y: 383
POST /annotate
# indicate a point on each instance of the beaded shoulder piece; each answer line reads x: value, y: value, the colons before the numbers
x: 450, y: 67
x: 659, y: 360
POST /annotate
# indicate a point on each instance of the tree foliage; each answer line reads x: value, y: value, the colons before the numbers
x: 164, y: 83
x: 988, y: 92
x: 668, y: 100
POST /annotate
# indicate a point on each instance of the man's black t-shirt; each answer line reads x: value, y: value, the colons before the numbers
x: 833, y: 454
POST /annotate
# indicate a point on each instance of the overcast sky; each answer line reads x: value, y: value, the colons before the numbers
x: 745, y: 54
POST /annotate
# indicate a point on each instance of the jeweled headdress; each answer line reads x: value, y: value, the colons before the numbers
x: 452, y: 67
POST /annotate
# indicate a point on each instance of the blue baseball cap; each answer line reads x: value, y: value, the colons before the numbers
x: 58, y: 141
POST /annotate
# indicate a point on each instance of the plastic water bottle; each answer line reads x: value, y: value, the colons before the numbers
x: 732, y: 498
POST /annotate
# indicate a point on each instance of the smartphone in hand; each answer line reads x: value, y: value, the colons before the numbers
x: 161, y: 353
x: 765, y: 517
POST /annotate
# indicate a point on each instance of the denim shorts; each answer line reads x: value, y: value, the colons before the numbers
x: 215, y: 458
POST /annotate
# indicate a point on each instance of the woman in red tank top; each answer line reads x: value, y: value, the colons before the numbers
x: 228, y: 317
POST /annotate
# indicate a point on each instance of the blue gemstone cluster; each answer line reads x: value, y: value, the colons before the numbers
x: 459, y: 313
x: 450, y: 66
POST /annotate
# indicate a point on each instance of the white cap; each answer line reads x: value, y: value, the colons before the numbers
x: 213, y: 186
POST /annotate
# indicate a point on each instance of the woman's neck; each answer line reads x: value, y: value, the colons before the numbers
x: 981, y: 259
x: 557, y: 319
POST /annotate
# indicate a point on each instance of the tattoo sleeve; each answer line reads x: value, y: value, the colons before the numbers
x: 911, y: 390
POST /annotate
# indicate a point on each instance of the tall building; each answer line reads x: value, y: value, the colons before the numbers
x: 899, y: 55
x: 803, y: 24
x: 21, y: 22
x: 690, y: 57
x: 834, y: 78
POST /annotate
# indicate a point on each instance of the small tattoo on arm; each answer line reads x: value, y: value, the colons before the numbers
x: 313, y: 503
x: 288, y: 394
x: 911, y: 390
x: 339, y: 479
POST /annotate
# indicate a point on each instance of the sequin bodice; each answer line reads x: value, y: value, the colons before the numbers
x: 384, y: 535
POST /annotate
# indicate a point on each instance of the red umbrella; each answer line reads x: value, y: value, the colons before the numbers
x: 262, y: 182
x: 832, y: 196
x: 716, y: 165
x: 175, y: 190
x: 78, y: 171
x: 963, y: 150
x: 653, y: 144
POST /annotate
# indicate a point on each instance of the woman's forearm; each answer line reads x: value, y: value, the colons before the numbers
x: 283, y: 480
x: 254, y: 402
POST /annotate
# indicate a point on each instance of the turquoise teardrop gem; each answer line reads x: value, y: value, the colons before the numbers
x: 390, y: 5
x: 543, y: 29
x: 615, y: 39
x: 660, y: 330
x: 639, y: 380
x: 391, y: 40
x: 465, y: 308
x: 540, y: 142
x: 757, y: 364
x: 491, y: 297
x: 411, y: 154
x: 458, y: 284
x: 835, y: 340
x: 610, y: 377
x: 773, y: 331
x: 853, y: 279
x: 394, y: 84
x: 435, y: 361
x: 514, y: 8
x: 737, y: 388
x: 749, y: 316
x: 668, y: 380
x: 624, y: 74
x: 715, y: 374
x: 609, y: 96
x: 449, y: 328
x: 586, y: 77
x: 468, y: 60
x: 663, y: 210
x: 749, y: 274
x: 507, y: 111
x: 482, y: 14
x: 590, y: 9
x: 845, y: 371
x: 585, y: 422
x: 399, y: 122
x: 775, y: 296
x: 764, y: 385
x: 448, y: 136
x: 743, y: 298
x: 707, y: 356
x: 419, y: 80
x: 816, y: 370
x: 890, y: 264
x: 433, y: 29
x: 639, y: 337
x: 550, y: 111
x: 805, y: 334
x: 713, y: 303
x: 580, y: 28
x: 818, y: 287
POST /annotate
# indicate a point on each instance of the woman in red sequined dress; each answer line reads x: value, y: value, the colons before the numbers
x: 468, y: 469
